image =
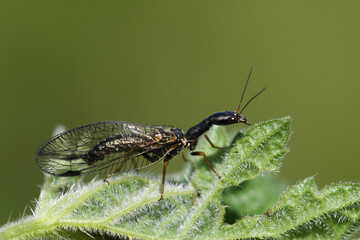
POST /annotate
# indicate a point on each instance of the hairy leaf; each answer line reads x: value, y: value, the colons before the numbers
x: 129, y: 206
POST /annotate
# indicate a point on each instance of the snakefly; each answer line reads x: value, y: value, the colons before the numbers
x: 113, y: 147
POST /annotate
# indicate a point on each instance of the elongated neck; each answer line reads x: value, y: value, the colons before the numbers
x: 196, y: 131
x: 219, y: 118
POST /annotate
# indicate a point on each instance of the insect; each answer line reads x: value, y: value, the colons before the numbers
x: 111, y: 147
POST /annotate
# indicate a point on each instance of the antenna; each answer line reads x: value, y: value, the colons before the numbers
x: 242, y: 97
x: 262, y: 90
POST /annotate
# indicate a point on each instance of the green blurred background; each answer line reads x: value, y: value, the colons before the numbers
x: 176, y: 62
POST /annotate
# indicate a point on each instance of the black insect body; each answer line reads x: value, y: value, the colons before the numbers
x: 112, y: 147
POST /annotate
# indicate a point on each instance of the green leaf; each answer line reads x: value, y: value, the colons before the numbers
x: 129, y: 206
x: 251, y: 198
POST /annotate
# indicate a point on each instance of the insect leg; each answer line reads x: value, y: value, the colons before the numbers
x: 134, y: 163
x: 150, y: 158
x: 184, y: 157
x: 121, y: 165
x: 163, y: 180
x: 212, y: 145
x: 207, y: 161
x: 164, y: 171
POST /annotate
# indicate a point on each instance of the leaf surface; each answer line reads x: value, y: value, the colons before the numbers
x: 129, y: 206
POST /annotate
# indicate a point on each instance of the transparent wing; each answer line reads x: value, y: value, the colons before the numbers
x: 138, y: 146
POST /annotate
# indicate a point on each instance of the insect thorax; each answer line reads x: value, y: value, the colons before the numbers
x: 178, y: 144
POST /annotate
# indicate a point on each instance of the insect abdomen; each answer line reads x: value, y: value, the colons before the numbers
x: 119, y: 143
